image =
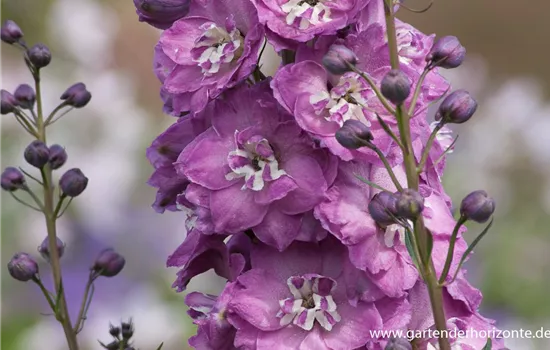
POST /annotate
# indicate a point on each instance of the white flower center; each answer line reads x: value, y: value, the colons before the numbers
x: 311, y: 301
x: 347, y: 100
x: 307, y: 12
x: 217, y: 46
x: 254, y: 160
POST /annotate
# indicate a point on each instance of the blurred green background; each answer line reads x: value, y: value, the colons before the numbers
x: 505, y: 149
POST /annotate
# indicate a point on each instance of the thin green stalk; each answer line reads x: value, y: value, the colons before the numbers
x: 417, y: 90
x: 387, y: 166
x: 61, y: 307
x: 421, y: 234
x: 427, y: 148
x: 374, y: 88
x: 451, y: 251
x: 46, y: 295
x: 85, y: 304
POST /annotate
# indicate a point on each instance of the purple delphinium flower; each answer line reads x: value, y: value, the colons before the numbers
x: 212, y: 49
x: 163, y: 152
x: 302, y: 20
x: 298, y: 299
x: 258, y: 170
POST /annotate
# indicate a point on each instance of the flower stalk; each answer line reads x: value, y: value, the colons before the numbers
x: 420, y: 232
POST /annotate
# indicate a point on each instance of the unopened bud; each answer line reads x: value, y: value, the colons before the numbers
x: 58, y: 156
x: 127, y: 330
x: 10, y: 32
x: 161, y: 13
x: 409, y: 204
x: 9, y: 103
x: 447, y: 52
x: 354, y: 134
x: 477, y: 206
x: 114, y: 331
x: 12, y: 179
x: 398, y: 344
x: 40, y: 55
x: 23, y: 267
x: 25, y: 96
x: 44, y: 248
x: 109, y: 263
x: 382, y: 208
x: 339, y: 59
x: 457, y: 108
x: 37, y: 154
x: 396, y: 86
x: 73, y: 182
x: 77, y: 95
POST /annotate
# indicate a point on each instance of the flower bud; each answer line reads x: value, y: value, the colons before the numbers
x: 127, y: 330
x: 10, y: 32
x: 338, y: 59
x: 40, y: 55
x: 12, y: 179
x: 73, y: 182
x: 77, y: 95
x: 409, y: 204
x: 447, y: 52
x: 109, y: 263
x: 25, y: 96
x: 44, y: 248
x: 477, y: 206
x: 161, y: 13
x: 396, y: 86
x: 457, y: 108
x: 9, y: 103
x: 398, y: 344
x: 37, y: 154
x: 58, y: 156
x: 353, y: 134
x: 114, y: 331
x: 382, y: 208
x: 23, y: 267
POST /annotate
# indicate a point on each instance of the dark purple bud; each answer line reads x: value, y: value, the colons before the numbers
x: 77, y: 95
x: 127, y: 329
x: 9, y: 103
x: 398, y: 344
x: 457, y: 108
x: 44, y: 248
x: 354, y: 134
x: 10, y: 32
x: 25, y: 96
x: 73, y: 182
x: 109, y: 263
x: 12, y: 179
x: 114, y: 331
x: 40, y: 55
x: 447, y: 52
x: 409, y: 204
x: 58, y: 156
x: 161, y: 13
x: 382, y: 208
x: 339, y: 59
x: 37, y: 154
x: 477, y: 206
x: 23, y: 267
x: 396, y: 86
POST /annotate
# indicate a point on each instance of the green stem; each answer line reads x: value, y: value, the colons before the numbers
x: 46, y: 295
x: 451, y: 251
x: 374, y: 88
x: 427, y: 148
x: 387, y: 166
x: 84, y: 304
x: 420, y: 232
x: 46, y: 171
x: 418, y: 88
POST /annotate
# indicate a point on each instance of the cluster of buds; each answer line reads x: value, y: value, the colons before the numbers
x: 26, y: 107
x: 122, y: 336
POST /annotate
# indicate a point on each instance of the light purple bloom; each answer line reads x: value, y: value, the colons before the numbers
x: 214, y: 48
x: 302, y: 20
x: 257, y: 168
x: 297, y: 299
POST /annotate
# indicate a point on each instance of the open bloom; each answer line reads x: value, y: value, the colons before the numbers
x: 302, y: 20
x: 297, y: 299
x: 255, y: 168
x: 209, y: 51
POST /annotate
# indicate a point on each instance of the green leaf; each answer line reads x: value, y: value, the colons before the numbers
x: 409, y: 244
x: 489, y: 345
x: 430, y: 247
x: 160, y: 346
x: 372, y: 184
